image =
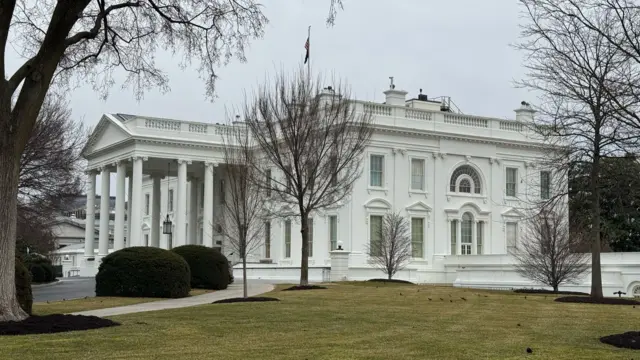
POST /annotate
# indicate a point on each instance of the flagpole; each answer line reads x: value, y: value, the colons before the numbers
x: 309, y: 61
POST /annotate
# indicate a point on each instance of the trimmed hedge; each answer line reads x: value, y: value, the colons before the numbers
x: 42, y: 270
x: 23, y: 287
x: 143, y: 272
x: 209, y: 268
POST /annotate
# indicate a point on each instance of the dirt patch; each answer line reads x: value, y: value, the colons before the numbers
x: 56, y: 323
x: 248, y: 299
x: 548, y: 292
x: 304, y: 287
x: 391, y: 281
x: 590, y: 300
x: 628, y: 340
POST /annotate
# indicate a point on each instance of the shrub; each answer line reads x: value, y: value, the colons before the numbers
x: 42, y: 265
x: 143, y: 272
x: 23, y: 287
x: 209, y: 268
x: 38, y: 273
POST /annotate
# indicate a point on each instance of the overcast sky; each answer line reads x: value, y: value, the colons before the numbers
x: 457, y: 48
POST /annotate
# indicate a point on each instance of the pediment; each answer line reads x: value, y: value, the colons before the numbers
x: 378, y: 203
x: 106, y: 134
x: 418, y: 207
x: 512, y: 213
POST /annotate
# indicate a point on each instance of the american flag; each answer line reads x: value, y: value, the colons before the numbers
x: 306, y: 46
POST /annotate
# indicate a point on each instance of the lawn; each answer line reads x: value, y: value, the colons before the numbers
x: 364, y: 321
x: 94, y: 303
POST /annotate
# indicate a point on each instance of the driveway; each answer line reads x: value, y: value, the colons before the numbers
x: 69, y: 288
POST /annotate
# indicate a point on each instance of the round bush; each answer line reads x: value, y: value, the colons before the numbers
x: 209, y: 268
x: 23, y: 287
x: 38, y: 273
x: 143, y: 272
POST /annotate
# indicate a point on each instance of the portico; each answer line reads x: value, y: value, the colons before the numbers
x: 171, y: 168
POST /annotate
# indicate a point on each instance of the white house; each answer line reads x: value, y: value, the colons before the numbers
x: 459, y: 178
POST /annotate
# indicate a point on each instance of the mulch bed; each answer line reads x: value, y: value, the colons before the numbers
x: 628, y: 340
x: 304, y: 287
x: 548, y: 292
x: 248, y: 299
x: 590, y: 300
x: 56, y: 323
x: 391, y: 281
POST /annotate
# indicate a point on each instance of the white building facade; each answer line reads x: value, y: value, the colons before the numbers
x: 459, y: 180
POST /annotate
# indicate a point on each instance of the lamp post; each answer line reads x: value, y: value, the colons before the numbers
x: 167, y: 226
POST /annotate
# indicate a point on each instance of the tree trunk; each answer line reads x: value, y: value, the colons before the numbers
x: 555, y: 288
x: 304, y: 262
x: 596, y: 272
x: 245, y: 292
x: 9, y: 307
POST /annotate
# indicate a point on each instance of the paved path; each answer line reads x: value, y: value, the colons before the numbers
x: 68, y: 288
x: 235, y: 290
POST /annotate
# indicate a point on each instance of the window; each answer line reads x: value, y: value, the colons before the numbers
x: 512, y: 175
x: 479, y: 237
x: 454, y: 237
x: 309, y: 172
x: 288, y: 178
x: 468, y: 173
x: 310, y: 236
x: 466, y: 234
x: 512, y: 236
x: 417, y: 174
x: 333, y: 232
x: 222, y: 192
x: 417, y: 237
x: 201, y: 196
x: 334, y: 170
x: 376, y: 170
x: 545, y: 185
x: 465, y: 186
x: 375, y: 235
x: 170, y: 200
x: 267, y: 240
x: 147, y: 203
x: 146, y: 240
x: 287, y: 239
x: 268, y: 175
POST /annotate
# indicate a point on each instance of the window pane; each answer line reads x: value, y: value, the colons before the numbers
x: 376, y: 168
x: 375, y: 229
x: 417, y: 174
x: 512, y: 175
x: 417, y: 237
x: 466, y: 230
x: 512, y: 235
x: 545, y: 184
x: 333, y: 232
x: 146, y: 204
x: 268, y: 179
x: 454, y: 235
x: 287, y: 239
x: 465, y: 186
x: 480, y: 236
x: 170, y: 200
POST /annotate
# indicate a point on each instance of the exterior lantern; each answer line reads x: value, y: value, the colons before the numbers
x: 167, y: 226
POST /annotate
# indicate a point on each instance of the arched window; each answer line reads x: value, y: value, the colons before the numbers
x: 466, y: 234
x: 464, y: 179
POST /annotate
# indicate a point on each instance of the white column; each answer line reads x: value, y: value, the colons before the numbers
x: 207, y: 211
x: 118, y: 231
x: 449, y: 237
x: 89, y: 227
x: 156, y: 200
x: 193, y: 211
x: 129, y: 197
x: 136, y: 202
x: 181, y: 207
x: 473, y: 237
x: 459, y: 236
x: 103, y: 240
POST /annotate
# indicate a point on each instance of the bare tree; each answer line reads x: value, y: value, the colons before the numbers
x: 91, y: 40
x: 314, y: 139
x: 243, y: 218
x: 390, y: 247
x: 578, y: 75
x: 547, y: 253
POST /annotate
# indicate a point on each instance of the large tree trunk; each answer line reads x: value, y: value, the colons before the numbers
x: 304, y: 262
x: 9, y: 307
x: 245, y: 292
x: 596, y: 272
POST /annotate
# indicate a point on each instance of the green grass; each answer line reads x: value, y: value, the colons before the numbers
x: 363, y: 321
x: 94, y: 303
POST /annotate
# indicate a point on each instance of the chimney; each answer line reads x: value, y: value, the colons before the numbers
x: 393, y: 96
x: 525, y: 112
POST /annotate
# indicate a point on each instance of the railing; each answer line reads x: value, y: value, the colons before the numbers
x: 188, y: 127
